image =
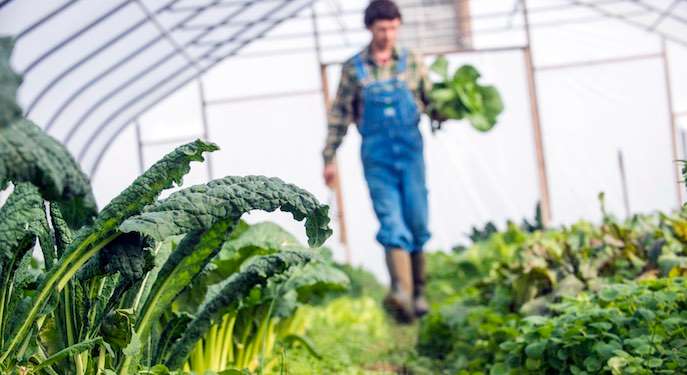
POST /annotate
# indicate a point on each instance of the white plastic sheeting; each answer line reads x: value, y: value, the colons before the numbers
x: 96, y: 65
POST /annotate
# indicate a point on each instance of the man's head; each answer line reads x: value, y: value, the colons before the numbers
x: 383, y: 18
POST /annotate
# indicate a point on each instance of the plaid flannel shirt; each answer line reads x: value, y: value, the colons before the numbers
x: 347, y: 105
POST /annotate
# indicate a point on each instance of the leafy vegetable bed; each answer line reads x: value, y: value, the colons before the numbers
x: 582, y: 299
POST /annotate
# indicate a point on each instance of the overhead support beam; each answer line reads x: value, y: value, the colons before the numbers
x: 338, y: 191
x: 543, y: 179
x: 145, y: 71
x: 206, y: 126
x: 44, y: 19
x: 176, y: 87
x: 268, y: 96
x: 109, y: 70
x: 74, y: 36
x: 586, y: 63
x: 152, y: 17
x: 672, y: 123
x: 464, y: 20
x: 597, y: 8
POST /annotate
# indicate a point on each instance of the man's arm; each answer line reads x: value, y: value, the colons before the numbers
x: 340, y: 115
x: 425, y: 88
x: 424, y: 83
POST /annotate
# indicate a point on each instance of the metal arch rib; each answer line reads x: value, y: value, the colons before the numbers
x: 166, y: 34
x: 45, y: 19
x: 75, y: 35
x: 628, y: 21
x: 181, y: 70
x: 5, y: 2
x: 668, y: 11
x: 117, y: 65
x: 167, y: 93
x: 151, y: 67
x: 665, y: 13
x: 223, y: 4
x: 85, y: 59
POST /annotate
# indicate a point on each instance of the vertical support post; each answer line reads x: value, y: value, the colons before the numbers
x: 139, y: 144
x: 464, y: 23
x: 623, y: 184
x: 206, y: 127
x: 683, y: 137
x: 543, y: 179
x: 671, y: 116
x: 341, y: 217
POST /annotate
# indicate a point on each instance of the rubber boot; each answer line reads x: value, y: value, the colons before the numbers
x: 420, y: 305
x: 399, y: 301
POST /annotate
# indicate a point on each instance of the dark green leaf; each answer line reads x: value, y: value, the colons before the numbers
x: 198, y: 207
x: 9, y: 83
x: 89, y: 240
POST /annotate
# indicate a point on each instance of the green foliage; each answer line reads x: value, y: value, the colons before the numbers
x: 27, y: 154
x: 231, y: 197
x: 248, y: 300
x: 349, y: 333
x: 631, y: 328
x: 491, y: 290
x: 236, y: 289
x: 98, y: 302
x: 9, y: 83
x: 363, y: 283
x: 459, y: 96
x: 91, y: 239
x: 466, y: 337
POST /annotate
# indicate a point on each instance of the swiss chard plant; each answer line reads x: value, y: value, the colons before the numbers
x: 95, y: 303
x: 236, y: 328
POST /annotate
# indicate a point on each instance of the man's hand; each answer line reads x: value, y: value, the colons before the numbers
x: 330, y: 174
x: 435, y: 115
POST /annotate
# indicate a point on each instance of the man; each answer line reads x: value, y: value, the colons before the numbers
x: 383, y: 89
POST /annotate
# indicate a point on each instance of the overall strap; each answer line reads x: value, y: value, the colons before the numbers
x: 361, y: 70
x: 402, y: 64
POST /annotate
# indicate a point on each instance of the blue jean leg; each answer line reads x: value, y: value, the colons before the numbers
x: 385, y: 190
x: 415, y: 203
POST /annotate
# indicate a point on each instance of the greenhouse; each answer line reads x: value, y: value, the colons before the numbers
x: 163, y: 208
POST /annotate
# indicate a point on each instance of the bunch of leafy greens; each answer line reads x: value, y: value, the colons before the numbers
x: 95, y: 304
x: 459, y: 96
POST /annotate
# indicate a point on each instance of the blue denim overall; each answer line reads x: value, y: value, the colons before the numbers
x: 392, y: 156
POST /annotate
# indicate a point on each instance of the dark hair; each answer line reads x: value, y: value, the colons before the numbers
x: 381, y: 10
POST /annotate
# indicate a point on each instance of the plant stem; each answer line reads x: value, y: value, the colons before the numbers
x: 60, y: 276
x: 139, y: 294
x: 8, y: 288
x: 227, y: 348
x: 101, y: 360
x: 210, y: 353
x: 197, y: 360
x: 243, y: 342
